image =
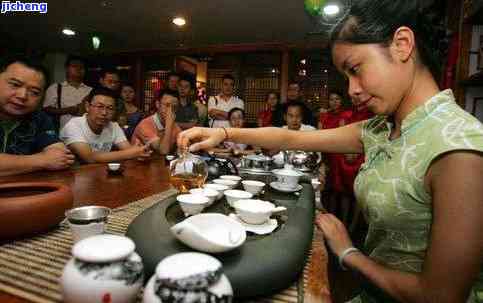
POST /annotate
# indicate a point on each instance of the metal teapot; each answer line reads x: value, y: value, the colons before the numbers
x: 304, y: 161
x: 256, y: 162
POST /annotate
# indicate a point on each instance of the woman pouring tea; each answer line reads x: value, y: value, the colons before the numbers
x: 420, y: 186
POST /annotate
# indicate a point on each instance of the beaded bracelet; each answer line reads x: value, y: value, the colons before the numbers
x: 344, y: 254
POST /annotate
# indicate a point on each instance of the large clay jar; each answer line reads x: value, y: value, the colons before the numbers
x: 39, y: 205
x: 188, y: 277
x: 103, y: 269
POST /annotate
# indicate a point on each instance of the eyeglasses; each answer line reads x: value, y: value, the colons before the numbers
x: 101, y: 107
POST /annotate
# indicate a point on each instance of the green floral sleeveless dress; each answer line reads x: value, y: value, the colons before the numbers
x: 390, y: 184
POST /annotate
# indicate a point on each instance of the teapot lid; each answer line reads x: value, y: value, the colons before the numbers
x: 289, y: 170
x: 191, y: 265
x: 103, y: 248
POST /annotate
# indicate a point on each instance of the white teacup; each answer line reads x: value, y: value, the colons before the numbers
x: 211, y: 194
x: 87, y: 221
x: 220, y: 188
x: 288, y: 178
x: 114, y: 166
x: 256, y: 211
x: 230, y: 183
x: 192, y: 204
x: 231, y: 177
x: 233, y: 195
x: 253, y: 187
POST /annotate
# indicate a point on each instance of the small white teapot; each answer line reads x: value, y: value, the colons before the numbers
x: 103, y: 268
x: 188, y: 277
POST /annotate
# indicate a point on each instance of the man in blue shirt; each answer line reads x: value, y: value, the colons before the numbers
x: 28, y: 141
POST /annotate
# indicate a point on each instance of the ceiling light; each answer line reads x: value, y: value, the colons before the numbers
x: 96, y: 42
x: 179, y: 21
x: 68, y: 32
x: 331, y: 9
x: 106, y: 3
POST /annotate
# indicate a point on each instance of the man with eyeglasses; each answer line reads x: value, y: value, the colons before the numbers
x: 92, y: 136
x: 110, y: 79
x: 28, y: 140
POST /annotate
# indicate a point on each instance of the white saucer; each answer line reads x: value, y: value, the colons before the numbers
x: 276, y: 185
x: 259, y: 229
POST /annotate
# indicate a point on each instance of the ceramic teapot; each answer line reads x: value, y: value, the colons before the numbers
x: 188, y: 277
x: 103, y: 268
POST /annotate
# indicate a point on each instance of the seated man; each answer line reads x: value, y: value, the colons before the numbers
x: 92, y: 136
x: 294, y: 115
x: 160, y: 130
x: 27, y: 136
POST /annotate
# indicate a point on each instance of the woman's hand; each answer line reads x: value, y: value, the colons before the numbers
x: 208, y: 138
x: 334, y: 232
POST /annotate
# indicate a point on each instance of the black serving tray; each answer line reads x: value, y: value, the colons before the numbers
x: 262, y: 265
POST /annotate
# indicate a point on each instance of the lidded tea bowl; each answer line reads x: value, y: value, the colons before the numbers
x: 102, y: 269
x: 188, y: 277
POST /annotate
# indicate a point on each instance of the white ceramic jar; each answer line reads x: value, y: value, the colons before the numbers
x: 103, y: 268
x: 188, y: 277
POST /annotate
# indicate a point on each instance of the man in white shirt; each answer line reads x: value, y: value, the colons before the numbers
x: 294, y: 115
x: 219, y: 106
x: 71, y: 92
x: 92, y: 136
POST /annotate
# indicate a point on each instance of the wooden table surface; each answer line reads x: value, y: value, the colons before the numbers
x: 91, y: 185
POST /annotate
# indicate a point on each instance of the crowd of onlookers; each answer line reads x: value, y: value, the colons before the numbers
x: 51, y: 127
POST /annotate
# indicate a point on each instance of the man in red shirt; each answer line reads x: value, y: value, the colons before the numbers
x: 160, y: 129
